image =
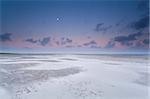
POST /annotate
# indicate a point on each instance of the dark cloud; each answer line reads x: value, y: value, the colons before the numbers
x: 98, y: 26
x: 132, y: 41
x: 141, y: 23
x: 129, y: 40
x: 57, y: 42
x: 126, y: 39
x: 68, y: 40
x: 65, y: 41
x: 110, y: 44
x: 137, y: 46
x: 89, y: 37
x: 143, y: 6
x: 120, y: 22
x: 31, y: 40
x: 44, y: 41
x: 146, y: 41
x: 101, y: 27
x: 79, y: 45
x: 5, y: 37
x: 91, y: 44
x: 69, y: 46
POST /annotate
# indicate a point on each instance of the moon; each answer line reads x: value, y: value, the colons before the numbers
x: 57, y: 19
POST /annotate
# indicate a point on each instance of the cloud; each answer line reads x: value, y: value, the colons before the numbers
x: 44, y: 41
x: 57, y: 42
x: 91, y: 44
x: 110, y: 44
x: 101, y: 27
x: 98, y: 26
x: 31, y: 40
x: 146, y: 41
x: 68, y: 40
x: 69, y: 46
x: 89, y: 37
x: 131, y: 40
x: 126, y: 39
x: 65, y: 41
x: 143, y: 6
x: 79, y: 45
x: 141, y: 23
x: 5, y: 37
x: 120, y: 22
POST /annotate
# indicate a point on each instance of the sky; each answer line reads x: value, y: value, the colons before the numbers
x: 74, y: 26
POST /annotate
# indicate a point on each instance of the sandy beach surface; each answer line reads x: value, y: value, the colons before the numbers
x: 61, y: 76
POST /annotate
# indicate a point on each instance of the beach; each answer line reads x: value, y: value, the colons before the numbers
x: 74, y: 76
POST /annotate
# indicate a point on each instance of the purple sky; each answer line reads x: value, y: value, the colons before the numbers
x: 98, y: 26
